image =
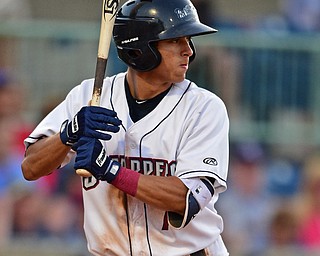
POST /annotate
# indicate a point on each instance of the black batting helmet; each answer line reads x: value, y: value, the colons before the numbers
x: 140, y: 23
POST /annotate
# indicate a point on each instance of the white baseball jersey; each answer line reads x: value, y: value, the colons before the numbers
x: 186, y: 135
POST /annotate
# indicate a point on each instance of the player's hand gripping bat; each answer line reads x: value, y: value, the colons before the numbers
x: 109, y: 10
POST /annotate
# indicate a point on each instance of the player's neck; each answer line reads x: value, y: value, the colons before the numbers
x: 143, y: 86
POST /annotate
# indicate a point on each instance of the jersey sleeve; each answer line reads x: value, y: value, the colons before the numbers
x: 204, y: 148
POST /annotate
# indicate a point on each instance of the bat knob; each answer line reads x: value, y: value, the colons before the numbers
x: 83, y: 173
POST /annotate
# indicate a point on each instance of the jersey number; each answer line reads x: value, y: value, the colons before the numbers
x: 89, y: 182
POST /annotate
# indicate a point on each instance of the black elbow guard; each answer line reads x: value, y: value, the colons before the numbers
x: 198, y: 196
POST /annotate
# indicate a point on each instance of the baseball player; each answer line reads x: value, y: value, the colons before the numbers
x: 157, y: 147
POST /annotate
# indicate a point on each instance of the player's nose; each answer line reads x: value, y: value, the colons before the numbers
x: 187, y: 49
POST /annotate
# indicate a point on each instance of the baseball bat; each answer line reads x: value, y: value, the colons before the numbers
x: 109, y: 11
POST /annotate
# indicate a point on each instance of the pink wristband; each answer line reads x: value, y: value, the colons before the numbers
x: 127, y: 181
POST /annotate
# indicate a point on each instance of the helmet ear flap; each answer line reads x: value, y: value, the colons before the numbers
x: 134, y: 53
x: 144, y: 59
x: 133, y: 56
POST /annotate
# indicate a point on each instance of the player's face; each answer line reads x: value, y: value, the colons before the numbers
x: 175, y: 54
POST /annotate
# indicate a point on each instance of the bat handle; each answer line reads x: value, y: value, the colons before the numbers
x: 83, y: 173
x: 95, y: 101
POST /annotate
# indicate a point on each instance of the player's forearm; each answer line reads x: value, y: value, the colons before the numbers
x: 165, y: 193
x: 43, y: 157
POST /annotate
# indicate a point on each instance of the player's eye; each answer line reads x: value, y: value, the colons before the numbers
x: 175, y: 40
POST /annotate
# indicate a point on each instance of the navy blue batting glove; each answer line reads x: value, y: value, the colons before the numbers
x: 92, y: 156
x: 90, y: 121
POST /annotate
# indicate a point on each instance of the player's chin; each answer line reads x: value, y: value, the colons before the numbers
x: 179, y: 77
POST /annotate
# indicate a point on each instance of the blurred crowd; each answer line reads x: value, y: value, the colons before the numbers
x: 50, y: 208
x: 271, y: 207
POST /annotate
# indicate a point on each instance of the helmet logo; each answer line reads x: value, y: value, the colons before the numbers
x: 130, y: 40
x: 186, y: 11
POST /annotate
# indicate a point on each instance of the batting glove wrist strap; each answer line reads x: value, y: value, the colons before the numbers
x: 65, y: 136
x: 111, y: 171
x: 95, y: 122
x: 92, y: 156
